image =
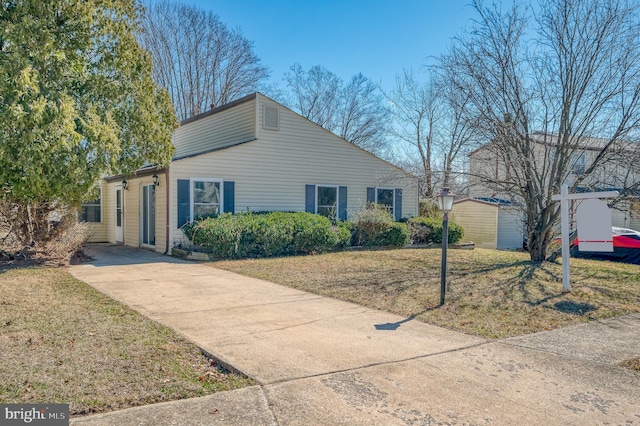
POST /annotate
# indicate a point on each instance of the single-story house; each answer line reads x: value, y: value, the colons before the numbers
x: 252, y: 154
x: 490, y: 222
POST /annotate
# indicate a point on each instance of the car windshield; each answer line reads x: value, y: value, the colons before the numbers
x: 624, y: 231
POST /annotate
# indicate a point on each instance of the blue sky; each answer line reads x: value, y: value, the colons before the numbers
x: 375, y: 37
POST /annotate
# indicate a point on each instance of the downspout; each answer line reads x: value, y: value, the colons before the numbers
x: 168, y: 209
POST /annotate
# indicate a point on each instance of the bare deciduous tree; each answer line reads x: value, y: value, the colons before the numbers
x: 432, y: 120
x: 314, y: 94
x: 558, y: 101
x: 416, y: 111
x: 355, y: 112
x: 197, y: 58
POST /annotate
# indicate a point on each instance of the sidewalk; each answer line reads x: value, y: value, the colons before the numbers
x: 323, y: 361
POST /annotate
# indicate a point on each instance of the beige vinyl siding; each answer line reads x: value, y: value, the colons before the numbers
x: 228, y: 127
x: 99, y: 232
x: 309, y: 152
x: 479, y: 221
x: 131, y: 212
x: 161, y: 214
x: 271, y: 172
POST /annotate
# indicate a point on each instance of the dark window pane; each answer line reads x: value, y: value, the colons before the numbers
x: 385, y: 198
x: 204, y: 210
x: 327, y: 196
x: 329, y: 212
x: 327, y: 201
x: 90, y: 211
x: 118, y: 207
x: 206, y: 199
x: 206, y: 192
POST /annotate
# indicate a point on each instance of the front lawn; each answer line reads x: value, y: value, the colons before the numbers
x: 64, y: 342
x: 491, y: 293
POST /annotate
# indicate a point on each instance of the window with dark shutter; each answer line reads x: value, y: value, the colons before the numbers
x: 398, y: 204
x: 184, y: 202
x: 342, y: 203
x: 229, y: 197
x: 310, y: 199
x: 371, y: 195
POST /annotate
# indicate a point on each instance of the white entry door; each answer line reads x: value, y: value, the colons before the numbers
x: 119, y: 215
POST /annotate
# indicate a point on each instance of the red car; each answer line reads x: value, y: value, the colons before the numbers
x: 626, y: 247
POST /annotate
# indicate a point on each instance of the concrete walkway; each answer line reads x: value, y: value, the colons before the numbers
x: 320, y: 361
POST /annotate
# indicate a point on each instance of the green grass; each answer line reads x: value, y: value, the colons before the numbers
x: 64, y: 342
x: 491, y: 293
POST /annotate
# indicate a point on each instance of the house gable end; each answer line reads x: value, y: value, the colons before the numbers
x: 225, y: 126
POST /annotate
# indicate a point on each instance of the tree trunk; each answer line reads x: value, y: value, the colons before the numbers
x: 538, y: 251
x: 33, y: 224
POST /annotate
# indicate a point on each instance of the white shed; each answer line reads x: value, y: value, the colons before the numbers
x: 490, y: 222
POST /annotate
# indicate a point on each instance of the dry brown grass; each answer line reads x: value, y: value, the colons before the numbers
x: 491, y: 293
x: 63, y: 342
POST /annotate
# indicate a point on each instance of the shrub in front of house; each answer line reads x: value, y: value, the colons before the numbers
x: 265, y: 235
x: 374, y: 226
x: 426, y: 230
x: 344, y: 232
x: 312, y: 234
x: 428, y: 207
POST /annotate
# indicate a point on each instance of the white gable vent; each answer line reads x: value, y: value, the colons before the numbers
x: 270, y: 118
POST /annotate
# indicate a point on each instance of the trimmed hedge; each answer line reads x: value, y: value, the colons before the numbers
x: 424, y: 230
x: 272, y: 234
x: 250, y: 235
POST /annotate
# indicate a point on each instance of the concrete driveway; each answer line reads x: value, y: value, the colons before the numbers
x: 323, y: 361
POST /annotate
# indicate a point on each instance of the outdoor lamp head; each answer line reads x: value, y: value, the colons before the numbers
x: 156, y: 180
x: 445, y: 200
x: 125, y: 184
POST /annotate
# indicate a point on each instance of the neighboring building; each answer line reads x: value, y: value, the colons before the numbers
x: 490, y: 222
x: 252, y: 154
x: 487, y: 166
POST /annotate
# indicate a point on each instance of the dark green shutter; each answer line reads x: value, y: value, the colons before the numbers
x: 229, y: 204
x: 342, y: 203
x: 397, y: 193
x: 184, y: 202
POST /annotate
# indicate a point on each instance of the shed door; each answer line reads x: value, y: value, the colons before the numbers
x: 510, y: 229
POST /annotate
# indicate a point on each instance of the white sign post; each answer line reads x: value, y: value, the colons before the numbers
x: 564, y: 198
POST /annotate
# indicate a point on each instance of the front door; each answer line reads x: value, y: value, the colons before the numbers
x: 148, y: 216
x: 119, y: 216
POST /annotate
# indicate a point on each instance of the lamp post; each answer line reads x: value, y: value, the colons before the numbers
x: 445, y: 201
